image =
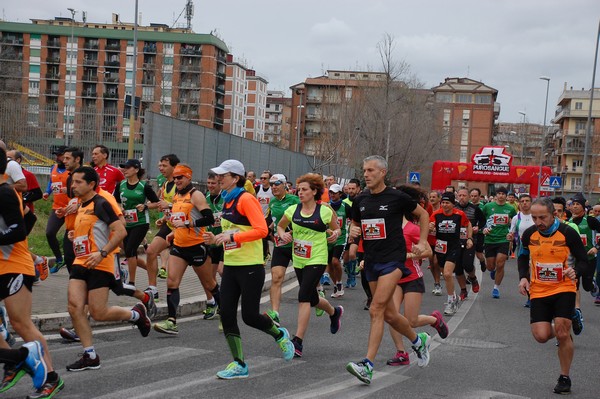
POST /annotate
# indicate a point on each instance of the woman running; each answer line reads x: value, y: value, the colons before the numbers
x: 313, y: 227
x: 244, y: 227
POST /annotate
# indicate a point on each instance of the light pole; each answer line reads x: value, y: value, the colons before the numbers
x: 588, y: 130
x: 522, y: 138
x: 543, y: 135
x: 298, y: 113
x: 134, y: 78
x: 70, y: 81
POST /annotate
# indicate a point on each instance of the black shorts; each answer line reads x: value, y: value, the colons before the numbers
x: 216, y: 254
x: 417, y: 285
x: 11, y: 283
x: 465, y: 261
x: 282, y: 256
x: 195, y: 255
x: 452, y: 254
x: 334, y: 252
x: 547, y: 308
x: 164, y: 231
x: 479, y: 241
x: 133, y: 239
x: 491, y: 250
x: 93, y: 278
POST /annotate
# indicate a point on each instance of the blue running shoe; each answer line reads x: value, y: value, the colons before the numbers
x: 233, y: 371
x: 34, y: 363
x: 286, y: 346
x: 496, y: 293
x: 325, y: 280
x: 577, y: 320
x: 57, y: 266
x: 493, y: 274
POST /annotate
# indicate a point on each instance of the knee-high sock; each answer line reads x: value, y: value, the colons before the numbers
x: 172, y: 301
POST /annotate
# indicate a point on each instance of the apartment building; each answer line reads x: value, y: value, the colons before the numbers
x: 521, y: 140
x: 256, y: 106
x: 278, y: 113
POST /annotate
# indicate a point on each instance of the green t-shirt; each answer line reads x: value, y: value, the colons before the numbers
x: 343, y: 214
x: 277, y: 208
x: 160, y: 180
x: 130, y: 197
x: 498, y: 218
x: 216, y: 206
x: 310, y: 244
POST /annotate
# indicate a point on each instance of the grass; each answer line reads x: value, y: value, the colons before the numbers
x: 37, y: 238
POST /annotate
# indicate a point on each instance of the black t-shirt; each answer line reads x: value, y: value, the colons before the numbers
x: 474, y: 214
x: 448, y: 229
x: 380, y: 217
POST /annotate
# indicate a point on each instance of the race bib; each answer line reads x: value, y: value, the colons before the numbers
x: 82, y: 246
x: 167, y: 213
x: 217, y: 216
x: 583, y: 239
x: 231, y: 245
x: 549, y: 272
x: 56, y: 187
x: 441, y: 246
x: 302, y: 248
x: 177, y: 216
x: 463, y: 233
x: 373, y: 229
x: 130, y: 215
x: 278, y: 242
x: 499, y: 219
x: 73, y: 201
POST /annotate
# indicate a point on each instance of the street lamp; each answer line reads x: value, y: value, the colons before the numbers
x: 588, y: 130
x: 522, y: 141
x: 134, y: 78
x: 543, y: 135
x: 70, y: 85
x: 298, y: 113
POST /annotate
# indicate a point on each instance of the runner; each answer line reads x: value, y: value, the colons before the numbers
x: 498, y: 215
x: 110, y: 176
x: 475, y: 195
x: 335, y: 249
x: 410, y: 289
x: 136, y: 197
x: 265, y: 195
x: 14, y: 173
x: 215, y: 202
x: 97, y: 234
x: 16, y: 281
x: 282, y: 252
x: 57, y: 186
x: 547, y: 278
x: 350, y: 262
x: 434, y: 200
x: 189, y: 216
x: 377, y: 215
x: 448, y: 222
x: 244, y: 227
x: 314, y: 225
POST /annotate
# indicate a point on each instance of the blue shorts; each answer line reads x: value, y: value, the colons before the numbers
x: 374, y: 270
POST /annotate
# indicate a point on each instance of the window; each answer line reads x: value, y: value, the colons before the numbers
x: 575, y: 183
x: 463, y: 154
x: 464, y: 98
x: 447, y: 113
x: 578, y: 105
x: 348, y: 93
x: 577, y: 163
x: 168, y: 61
x: 464, y: 137
x: 483, y: 98
x: 443, y: 97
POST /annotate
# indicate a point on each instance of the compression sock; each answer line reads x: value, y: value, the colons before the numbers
x: 216, y: 293
x: 235, y: 346
x: 172, y: 301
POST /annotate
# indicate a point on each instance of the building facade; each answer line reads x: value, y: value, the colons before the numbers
x: 277, y: 121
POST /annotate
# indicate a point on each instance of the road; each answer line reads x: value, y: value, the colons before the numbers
x: 490, y: 353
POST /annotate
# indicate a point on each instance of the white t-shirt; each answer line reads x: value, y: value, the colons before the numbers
x: 264, y: 197
x: 524, y: 222
x: 14, y: 173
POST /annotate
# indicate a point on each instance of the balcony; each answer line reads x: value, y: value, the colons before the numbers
x: 189, y: 100
x: 14, y: 40
x: 188, y: 85
x: 148, y: 97
x: 90, y: 62
x: 89, y: 93
x: 148, y: 81
x: 221, y: 75
x: 218, y: 121
x: 111, y: 95
x: 149, y: 49
x: 111, y: 78
x: 220, y: 89
x: 314, y: 99
x: 111, y: 63
x: 573, y: 149
x: 54, y: 59
x: 191, y: 69
x: 89, y: 77
x: 312, y: 133
x: 90, y: 46
x: 51, y: 92
x: 221, y: 58
x: 191, y: 51
x: 220, y: 105
x: 148, y: 66
x: 113, y: 47
x: 53, y: 75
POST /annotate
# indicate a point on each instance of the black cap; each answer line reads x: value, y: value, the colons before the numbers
x: 579, y: 198
x: 501, y: 190
x: 448, y: 196
x: 59, y: 150
x: 131, y: 163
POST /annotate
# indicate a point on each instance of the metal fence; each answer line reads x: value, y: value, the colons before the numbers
x: 203, y: 148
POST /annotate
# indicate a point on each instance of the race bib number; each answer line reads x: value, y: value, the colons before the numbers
x: 177, y: 216
x: 583, y: 239
x: 264, y: 200
x: 82, y: 246
x: 441, y: 246
x: 130, y: 215
x: 231, y: 245
x: 373, y: 229
x: 340, y: 222
x: 56, y: 187
x: 500, y: 219
x: 217, y: 216
x: 463, y: 233
x: 302, y: 248
x: 549, y: 272
x: 73, y: 202
x: 167, y: 213
x: 278, y: 242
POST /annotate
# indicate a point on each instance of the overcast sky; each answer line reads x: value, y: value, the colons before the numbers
x: 506, y: 44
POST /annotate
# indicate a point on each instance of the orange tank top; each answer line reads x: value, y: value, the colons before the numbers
x: 59, y: 187
x: 183, y: 209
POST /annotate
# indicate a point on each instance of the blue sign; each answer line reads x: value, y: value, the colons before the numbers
x: 553, y: 182
x: 414, y: 177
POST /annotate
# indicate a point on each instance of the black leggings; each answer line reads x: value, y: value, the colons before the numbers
x: 308, y: 278
x: 54, y: 224
x: 133, y: 239
x: 245, y: 282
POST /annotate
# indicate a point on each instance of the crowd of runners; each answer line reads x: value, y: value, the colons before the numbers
x: 332, y: 234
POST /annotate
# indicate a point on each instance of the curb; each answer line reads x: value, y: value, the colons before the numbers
x: 52, y: 322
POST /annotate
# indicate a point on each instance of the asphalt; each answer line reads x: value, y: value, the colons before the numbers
x: 49, y: 310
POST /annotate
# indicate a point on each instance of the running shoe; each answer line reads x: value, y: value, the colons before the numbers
x: 166, y: 327
x: 320, y: 312
x: 297, y: 347
x: 527, y: 303
x: 143, y: 323
x: 422, y: 351
x: 336, y: 321
x: 162, y: 273
x: 233, y: 371
x: 577, y: 320
x: 351, y: 281
x: 437, y: 290
x: 338, y: 291
x: 69, y: 334
x: 450, y: 308
x: 286, y: 346
x: 400, y: 359
x: 325, y: 279
x: 474, y: 284
x: 12, y: 375
x: 440, y: 325
x: 273, y: 315
x: 8, y: 337
x: 57, y: 266
x: 597, y: 300
x: 563, y: 386
x: 211, y: 311
x: 493, y: 274
x: 85, y: 363
x: 368, y: 304
x: 361, y: 370
x: 48, y: 390
x: 463, y: 295
x: 41, y: 268
x: 34, y: 363
x: 495, y: 293
x: 150, y: 305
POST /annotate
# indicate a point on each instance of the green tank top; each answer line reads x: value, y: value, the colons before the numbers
x: 586, y: 234
x: 343, y: 214
x: 130, y: 197
x: 309, y: 233
x: 278, y: 207
x: 216, y: 206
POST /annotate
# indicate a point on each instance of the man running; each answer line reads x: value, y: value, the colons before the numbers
x: 215, y: 202
x: 110, y: 176
x: 434, y: 200
x: 377, y: 215
x: 350, y: 263
x: 335, y: 249
x: 264, y: 194
x: 498, y: 215
x: 475, y: 195
x: 547, y: 278
x: 521, y: 222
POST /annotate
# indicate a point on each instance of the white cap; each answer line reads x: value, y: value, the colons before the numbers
x: 278, y: 177
x: 336, y: 188
x: 230, y: 166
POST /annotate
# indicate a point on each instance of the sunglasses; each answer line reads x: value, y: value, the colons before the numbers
x: 277, y: 183
x: 178, y: 177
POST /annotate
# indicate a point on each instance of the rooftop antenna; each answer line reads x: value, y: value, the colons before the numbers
x: 189, y: 13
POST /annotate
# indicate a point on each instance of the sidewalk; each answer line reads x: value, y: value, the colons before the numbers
x: 49, y: 310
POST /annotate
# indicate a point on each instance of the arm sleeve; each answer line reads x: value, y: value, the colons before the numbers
x: 149, y: 193
x: 577, y: 250
x: 117, y: 193
x: 32, y: 195
x: 480, y: 217
x: 250, y: 207
x: 11, y: 213
x: 104, y: 211
x: 207, y: 218
x: 523, y: 259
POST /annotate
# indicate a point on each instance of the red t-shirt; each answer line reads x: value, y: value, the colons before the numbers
x: 32, y: 184
x: 412, y: 234
x: 110, y: 176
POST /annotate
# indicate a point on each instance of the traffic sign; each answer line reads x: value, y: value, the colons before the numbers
x: 414, y: 177
x: 553, y: 182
